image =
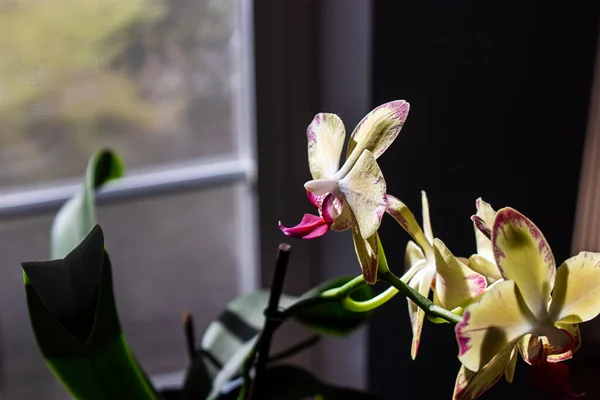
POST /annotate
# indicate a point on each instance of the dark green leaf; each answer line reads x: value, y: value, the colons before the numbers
x: 330, y: 317
x: 75, y: 322
x: 78, y: 215
x: 228, y: 340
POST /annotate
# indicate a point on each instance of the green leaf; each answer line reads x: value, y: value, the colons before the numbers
x: 330, y: 317
x: 74, y: 318
x: 78, y: 215
x: 229, y: 339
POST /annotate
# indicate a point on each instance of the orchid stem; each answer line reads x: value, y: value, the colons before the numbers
x: 421, y: 301
x: 371, y: 304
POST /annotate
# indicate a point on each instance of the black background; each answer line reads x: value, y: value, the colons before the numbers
x: 499, y: 100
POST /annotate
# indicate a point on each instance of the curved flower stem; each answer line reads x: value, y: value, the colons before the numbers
x: 371, y: 304
x: 421, y: 301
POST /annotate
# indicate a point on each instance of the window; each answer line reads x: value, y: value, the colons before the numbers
x: 168, y: 85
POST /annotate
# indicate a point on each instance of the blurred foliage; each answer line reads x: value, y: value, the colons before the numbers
x: 55, y: 59
x: 76, y: 75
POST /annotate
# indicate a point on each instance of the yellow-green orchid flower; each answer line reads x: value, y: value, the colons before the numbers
x: 535, y: 308
x: 483, y: 261
x: 353, y: 196
x: 429, y: 264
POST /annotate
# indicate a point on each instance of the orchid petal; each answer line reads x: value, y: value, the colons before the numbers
x: 487, y: 214
x: 329, y: 210
x: 412, y: 271
x: 523, y: 255
x: 509, y: 374
x: 311, y: 226
x: 455, y: 283
x: 402, y: 214
x: 426, y: 219
x: 470, y: 385
x: 573, y: 331
x: 366, y: 251
x: 412, y: 255
x: 377, y: 130
x: 576, y: 296
x: 364, y: 190
x: 326, y: 135
x: 344, y: 220
x: 566, y: 343
x: 421, y: 282
x: 316, y: 200
x: 499, y: 318
x: 487, y: 268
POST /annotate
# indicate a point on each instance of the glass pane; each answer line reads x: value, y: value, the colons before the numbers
x: 169, y: 254
x: 154, y: 79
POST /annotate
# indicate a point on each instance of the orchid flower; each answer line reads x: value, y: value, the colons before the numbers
x: 483, y: 261
x: 428, y: 264
x: 535, y: 308
x: 353, y: 196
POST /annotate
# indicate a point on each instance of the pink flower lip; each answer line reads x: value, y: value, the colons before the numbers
x: 311, y: 226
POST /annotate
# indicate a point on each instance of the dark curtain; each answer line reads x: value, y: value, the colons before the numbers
x: 499, y: 102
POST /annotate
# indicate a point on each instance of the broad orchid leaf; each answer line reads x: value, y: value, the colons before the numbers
x: 230, y: 338
x: 78, y: 215
x: 74, y: 318
x: 330, y: 317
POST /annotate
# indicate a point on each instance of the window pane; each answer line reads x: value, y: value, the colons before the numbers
x: 154, y: 79
x: 169, y: 254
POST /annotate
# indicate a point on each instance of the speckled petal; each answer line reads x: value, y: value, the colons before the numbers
x: 377, y: 130
x: 364, y: 190
x: 487, y: 215
x: 487, y: 268
x: 366, y: 251
x: 421, y: 282
x: 326, y: 135
x: 344, y: 220
x: 402, y: 214
x: 470, y: 385
x: 496, y: 320
x: 523, y: 256
x: 576, y: 295
x: 456, y: 285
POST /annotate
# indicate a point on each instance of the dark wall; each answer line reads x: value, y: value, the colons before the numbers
x: 499, y: 101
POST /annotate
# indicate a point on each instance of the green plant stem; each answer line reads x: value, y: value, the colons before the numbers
x: 421, y: 301
x: 371, y: 304
x: 334, y: 294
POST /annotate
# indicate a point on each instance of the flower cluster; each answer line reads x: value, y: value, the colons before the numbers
x: 507, y: 299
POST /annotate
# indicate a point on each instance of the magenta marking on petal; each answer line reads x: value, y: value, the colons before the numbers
x: 479, y: 281
x: 513, y: 217
x: 310, y: 227
x: 481, y: 226
x: 310, y: 132
x: 316, y: 200
x: 329, y: 211
x: 464, y: 341
x: 398, y: 217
